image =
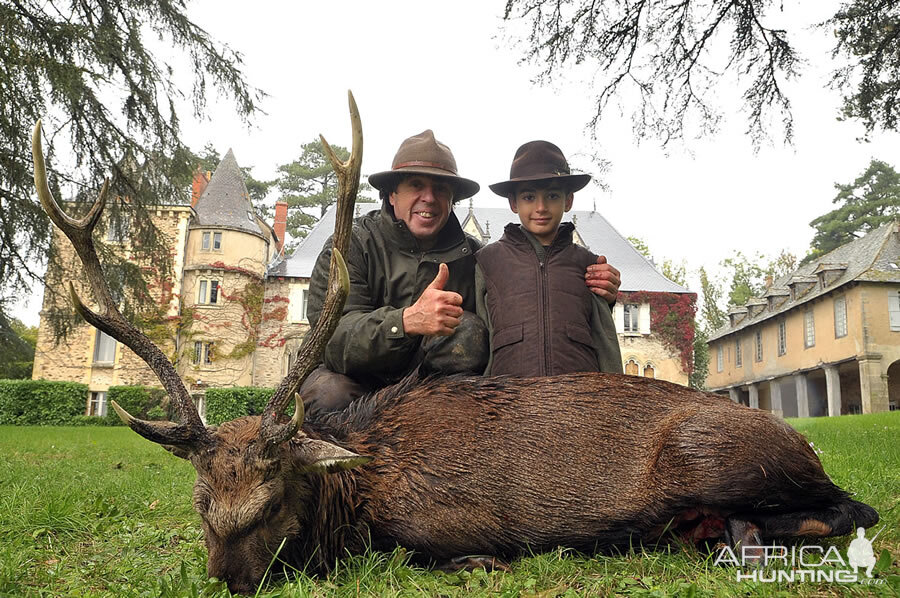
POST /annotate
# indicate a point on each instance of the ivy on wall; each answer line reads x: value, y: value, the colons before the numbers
x: 672, y: 320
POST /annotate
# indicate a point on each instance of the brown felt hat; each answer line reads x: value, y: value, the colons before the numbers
x: 423, y: 154
x: 537, y: 161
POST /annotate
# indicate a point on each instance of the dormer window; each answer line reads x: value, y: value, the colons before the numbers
x: 827, y: 273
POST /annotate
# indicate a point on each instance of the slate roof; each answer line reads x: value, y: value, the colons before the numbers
x: 226, y: 203
x: 873, y: 258
x: 638, y: 274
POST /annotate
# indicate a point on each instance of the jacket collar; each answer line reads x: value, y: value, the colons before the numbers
x: 516, y: 233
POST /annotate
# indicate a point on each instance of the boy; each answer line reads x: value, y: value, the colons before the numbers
x: 529, y: 285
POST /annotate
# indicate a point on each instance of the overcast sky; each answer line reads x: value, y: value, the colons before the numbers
x: 451, y: 67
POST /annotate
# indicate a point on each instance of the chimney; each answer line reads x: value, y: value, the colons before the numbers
x: 280, y: 223
x: 198, y: 186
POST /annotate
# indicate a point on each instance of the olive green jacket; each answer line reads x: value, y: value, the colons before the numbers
x: 388, y: 272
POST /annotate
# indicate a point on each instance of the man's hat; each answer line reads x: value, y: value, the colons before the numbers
x: 536, y: 161
x: 423, y: 154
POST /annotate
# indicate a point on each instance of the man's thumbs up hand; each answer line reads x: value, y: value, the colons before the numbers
x: 436, y: 312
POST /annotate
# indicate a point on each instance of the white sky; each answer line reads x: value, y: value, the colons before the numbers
x: 447, y: 66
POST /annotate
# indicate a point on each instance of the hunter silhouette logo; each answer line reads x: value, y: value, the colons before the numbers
x: 860, y: 552
x: 774, y: 563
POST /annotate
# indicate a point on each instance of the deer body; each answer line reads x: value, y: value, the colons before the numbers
x: 500, y: 466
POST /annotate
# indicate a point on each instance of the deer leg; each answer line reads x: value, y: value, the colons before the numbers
x: 744, y: 537
x: 472, y: 562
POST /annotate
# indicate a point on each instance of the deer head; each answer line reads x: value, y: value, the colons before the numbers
x: 250, y: 489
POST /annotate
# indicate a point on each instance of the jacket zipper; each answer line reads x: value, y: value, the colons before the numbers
x: 545, y: 317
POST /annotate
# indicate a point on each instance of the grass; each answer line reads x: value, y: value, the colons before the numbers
x: 96, y: 511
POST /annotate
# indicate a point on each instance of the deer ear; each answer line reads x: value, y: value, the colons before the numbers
x: 318, y: 456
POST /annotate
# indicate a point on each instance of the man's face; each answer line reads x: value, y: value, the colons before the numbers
x: 540, y: 206
x: 423, y: 203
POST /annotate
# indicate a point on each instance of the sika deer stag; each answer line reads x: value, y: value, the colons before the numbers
x: 472, y: 466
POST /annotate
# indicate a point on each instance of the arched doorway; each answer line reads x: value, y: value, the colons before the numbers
x: 893, y: 373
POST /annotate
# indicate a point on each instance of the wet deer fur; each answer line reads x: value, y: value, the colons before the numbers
x: 459, y: 466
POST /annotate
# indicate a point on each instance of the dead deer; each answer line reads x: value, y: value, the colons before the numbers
x: 465, y: 466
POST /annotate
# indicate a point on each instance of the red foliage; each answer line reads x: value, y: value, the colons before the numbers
x: 672, y: 319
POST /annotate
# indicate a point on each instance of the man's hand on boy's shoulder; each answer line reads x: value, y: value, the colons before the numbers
x: 603, y: 280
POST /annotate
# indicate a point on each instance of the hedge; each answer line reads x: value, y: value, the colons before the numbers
x: 41, y: 402
x: 140, y: 401
x: 224, y: 404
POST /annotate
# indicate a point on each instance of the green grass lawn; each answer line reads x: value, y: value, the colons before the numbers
x: 102, y: 512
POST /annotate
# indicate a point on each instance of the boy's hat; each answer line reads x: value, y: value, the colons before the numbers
x: 536, y: 161
x: 423, y: 154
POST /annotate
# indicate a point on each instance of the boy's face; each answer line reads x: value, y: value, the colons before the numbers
x: 540, y: 206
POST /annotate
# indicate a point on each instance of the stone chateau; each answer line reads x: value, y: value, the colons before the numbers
x: 822, y: 340
x: 233, y: 312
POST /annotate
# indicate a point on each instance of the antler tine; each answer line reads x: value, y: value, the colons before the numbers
x: 338, y: 287
x: 109, y: 319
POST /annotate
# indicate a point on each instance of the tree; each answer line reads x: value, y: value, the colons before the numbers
x: 697, y: 377
x: 109, y: 109
x: 309, y: 182
x: 17, y: 356
x: 711, y: 293
x: 667, y: 57
x: 873, y: 199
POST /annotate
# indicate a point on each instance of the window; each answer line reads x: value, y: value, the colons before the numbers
x: 894, y: 309
x: 840, y: 317
x: 738, y: 360
x: 208, y: 292
x: 809, y: 329
x: 649, y: 372
x: 759, y: 347
x: 104, y: 348
x: 631, y: 317
x: 203, y: 353
x: 211, y: 241
x: 632, y: 368
x: 97, y: 405
x: 119, y: 227
x: 303, y: 303
x: 782, y: 338
x: 720, y: 359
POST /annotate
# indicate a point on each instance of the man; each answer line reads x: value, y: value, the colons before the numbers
x: 412, y: 283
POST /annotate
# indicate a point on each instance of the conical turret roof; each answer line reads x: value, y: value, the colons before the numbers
x: 225, y: 202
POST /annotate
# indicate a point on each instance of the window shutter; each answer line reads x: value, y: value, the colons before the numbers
x: 644, y: 318
x: 894, y: 309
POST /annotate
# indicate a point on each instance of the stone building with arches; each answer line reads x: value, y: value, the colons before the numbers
x: 821, y: 340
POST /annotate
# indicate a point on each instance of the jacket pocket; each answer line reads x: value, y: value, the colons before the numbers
x: 579, y: 334
x: 508, y: 336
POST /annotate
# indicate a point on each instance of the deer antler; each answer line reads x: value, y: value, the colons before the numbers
x: 191, y: 432
x: 348, y: 173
